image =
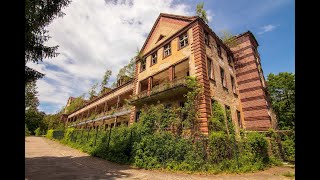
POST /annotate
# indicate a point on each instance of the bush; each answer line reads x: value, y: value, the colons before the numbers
x: 26, y: 131
x: 219, y: 146
x: 50, y: 134
x: 258, y: 145
x: 38, y: 132
x: 288, y: 146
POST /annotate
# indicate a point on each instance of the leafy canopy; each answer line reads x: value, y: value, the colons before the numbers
x: 282, y: 93
x: 38, y: 15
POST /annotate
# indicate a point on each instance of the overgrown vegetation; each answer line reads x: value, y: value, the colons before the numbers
x: 164, y: 138
x: 39, y: 14
x: 282, y: 93
x: 75, y: 104
x: 201, y: 12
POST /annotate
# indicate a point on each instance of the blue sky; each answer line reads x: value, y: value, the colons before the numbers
x: 277, y: 46
x: 95, y: 35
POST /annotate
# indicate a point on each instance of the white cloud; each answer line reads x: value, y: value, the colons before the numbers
x: 95, y: 36
x: 267, y: 28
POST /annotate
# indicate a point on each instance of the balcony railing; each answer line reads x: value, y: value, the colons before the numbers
x: 161, y: 87
x: 106, y: 115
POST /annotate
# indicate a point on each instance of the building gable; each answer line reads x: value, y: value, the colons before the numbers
x: 165, y: 26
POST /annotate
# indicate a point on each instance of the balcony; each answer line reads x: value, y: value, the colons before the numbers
x: 162, y: 91
x: 122, y: 111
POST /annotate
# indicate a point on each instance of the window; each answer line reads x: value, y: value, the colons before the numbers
x: 167, y: 50
x: 118, y: 124
x: 137, y: 115
x: 239, y: 119
x: 233, y: 85
x: 206, y: 38
x: 219, y: 50
x: 183, y: 40
x: 167, y: 106
x: 112, y: 125
x: 143, y: 65
x: 153, y: 58
x: 181, y: 104
x: 230, y: 59
x: 223, y: 78
x: 210, y: 69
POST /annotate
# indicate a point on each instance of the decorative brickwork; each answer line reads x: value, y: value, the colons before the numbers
x: 198, y: 50
x: 253, y: 98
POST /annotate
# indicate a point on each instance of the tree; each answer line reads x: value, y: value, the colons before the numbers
x: 281, y: 88
x: 92, y: 92
x: 228, y: 38
x: 34, y: 119
x: 31, y: 99
x: 126, y: 73
x: 75, y: 104
x: 201, y: 12
x: 105, y: 80
x: 38, y: 15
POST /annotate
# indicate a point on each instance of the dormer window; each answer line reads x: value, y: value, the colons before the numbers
x: 183, y: 40
x: 153, y: 58
x: 143, y: 65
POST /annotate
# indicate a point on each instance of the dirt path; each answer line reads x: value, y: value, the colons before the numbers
x: 46, y: 160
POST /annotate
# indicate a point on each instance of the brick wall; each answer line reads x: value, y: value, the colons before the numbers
x: 251, y: 93
x: 198, y: 50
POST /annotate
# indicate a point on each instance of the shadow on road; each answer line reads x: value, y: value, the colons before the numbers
x: 67, y: 167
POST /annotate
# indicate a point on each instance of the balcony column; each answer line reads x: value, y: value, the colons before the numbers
x: 171, y: 73
x: 149, y: 85
x: 118, y: 101
x: 105, y: 106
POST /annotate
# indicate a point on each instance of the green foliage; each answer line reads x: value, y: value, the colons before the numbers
x: 126, y: 72
x: 33, y: 119
x: 55, y: 134
x: 282, y: 93
x: 228, y: 38
x: 191, y: 105
x: 156, y: 141
x: 259, y: 146
x: 38, y: 132
x: 201, y: 12
x: 75, y: 104
x: 31, y: 99
x: 26, y: 131
x: 230, y: 123
x: 49, y: 134
x: 217, y: 120
x: 93, y: 90
x: 219, y: 146
x: 53, y: 121
x: 105, y: 80
x: 38, y: 15
x: 288, y: 145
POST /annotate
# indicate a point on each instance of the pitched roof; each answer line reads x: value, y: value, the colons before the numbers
x: 172, y: 16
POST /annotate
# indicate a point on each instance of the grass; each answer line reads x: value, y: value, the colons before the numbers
x: 288, y: 174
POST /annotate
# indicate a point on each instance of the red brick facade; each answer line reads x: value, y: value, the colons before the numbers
x: 198, y: 50
x: 252, y: 95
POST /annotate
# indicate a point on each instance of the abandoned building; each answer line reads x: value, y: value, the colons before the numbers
x: 176, y: 47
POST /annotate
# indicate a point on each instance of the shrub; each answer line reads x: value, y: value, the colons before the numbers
x: 258, y: 145
x: 26, y: 131
x: 219, y: 146
x: 50, y: 134
x: 38, y: 132
x: 288, y: 146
